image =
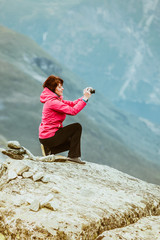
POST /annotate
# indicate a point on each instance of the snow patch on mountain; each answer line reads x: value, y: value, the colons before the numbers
x: 154, y: 97
x: 130, y: 74
x: 45, y: 34
x: 29, y: 70
x: 150, y: 125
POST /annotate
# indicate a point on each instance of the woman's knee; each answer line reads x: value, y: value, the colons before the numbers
x: 78, y: 126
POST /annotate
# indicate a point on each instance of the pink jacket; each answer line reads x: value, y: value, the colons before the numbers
x: 54, y: 112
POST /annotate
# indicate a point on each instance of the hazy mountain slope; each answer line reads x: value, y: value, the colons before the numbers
x: 114, y: 42
x: 23, y: 62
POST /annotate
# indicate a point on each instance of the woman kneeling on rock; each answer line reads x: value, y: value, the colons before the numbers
x: 54, y: 137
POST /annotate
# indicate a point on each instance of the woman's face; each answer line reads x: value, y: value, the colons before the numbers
x: 59, y: 89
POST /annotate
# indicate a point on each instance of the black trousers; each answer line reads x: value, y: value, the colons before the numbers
x: 66, y: 138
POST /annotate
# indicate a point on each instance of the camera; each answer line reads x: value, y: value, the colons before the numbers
x: 91, y: 90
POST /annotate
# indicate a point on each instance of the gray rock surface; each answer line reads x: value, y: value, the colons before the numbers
x: 80, y: 202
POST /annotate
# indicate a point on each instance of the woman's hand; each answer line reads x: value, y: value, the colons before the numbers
x: 87, y: 93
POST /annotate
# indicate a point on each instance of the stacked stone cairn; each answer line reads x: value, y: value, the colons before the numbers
x: 16, y: 151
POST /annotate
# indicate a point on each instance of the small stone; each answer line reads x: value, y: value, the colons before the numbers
x: 14, y: 153
x: 11, y: 175
x: 35, y: 206
x: 14, y: 144
x: 49, y: 205
x: 46, y: 179
x: 21, y: 169
x: 27, y: 174
x: 19, y: 177
x: 55, y: 190
x: 38, y: 176
x: 49, y: 158
x: 47, y: 199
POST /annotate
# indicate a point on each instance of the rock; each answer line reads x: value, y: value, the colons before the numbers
x: 18, y: 152
x: 47, y: 199
x: 38, y: 176
x: 2, y: 237
x: 11, y: 174
x: 146, y: 228
x: 49, y: 205
x: 14, y: 144
x: 3, y: 169
x: 27, y: 174
x: 46, y: 179
x: 49, y: 158
x: 19, y: 167
x: 19, y: 177
x: 35, y: 205
x: 14, y: 153
x: 46, y: 202
x: 91, y: 199
x: 60, y: 158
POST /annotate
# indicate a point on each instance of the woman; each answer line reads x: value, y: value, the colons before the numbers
x: 54, y: 137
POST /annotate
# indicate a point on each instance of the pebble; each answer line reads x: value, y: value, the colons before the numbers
x: 27, y: 174
x: 35, y: 205
x: 46, y: 179
x: 11, y: 175
x: 38, y: 176
x: 21, y: 169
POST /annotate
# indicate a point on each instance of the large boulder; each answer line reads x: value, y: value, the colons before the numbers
x: 78, y: 202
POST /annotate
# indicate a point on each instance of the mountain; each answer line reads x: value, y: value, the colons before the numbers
x: 109, y: 136
x: 114, y: 46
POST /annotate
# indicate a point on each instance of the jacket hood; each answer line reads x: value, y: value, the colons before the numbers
x: 48, y: 95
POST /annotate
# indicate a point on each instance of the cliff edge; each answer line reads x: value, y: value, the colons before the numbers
x: 60, y: 200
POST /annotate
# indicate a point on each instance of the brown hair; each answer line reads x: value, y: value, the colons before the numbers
x: 52, y: 82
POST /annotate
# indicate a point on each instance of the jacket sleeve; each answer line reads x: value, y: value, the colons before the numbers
x: 72, y: 103
x: 62, y: 107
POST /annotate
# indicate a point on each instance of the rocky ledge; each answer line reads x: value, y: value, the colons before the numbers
x: 41, y: 199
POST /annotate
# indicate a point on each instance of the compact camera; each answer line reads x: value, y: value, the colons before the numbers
x: 91, y: 90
